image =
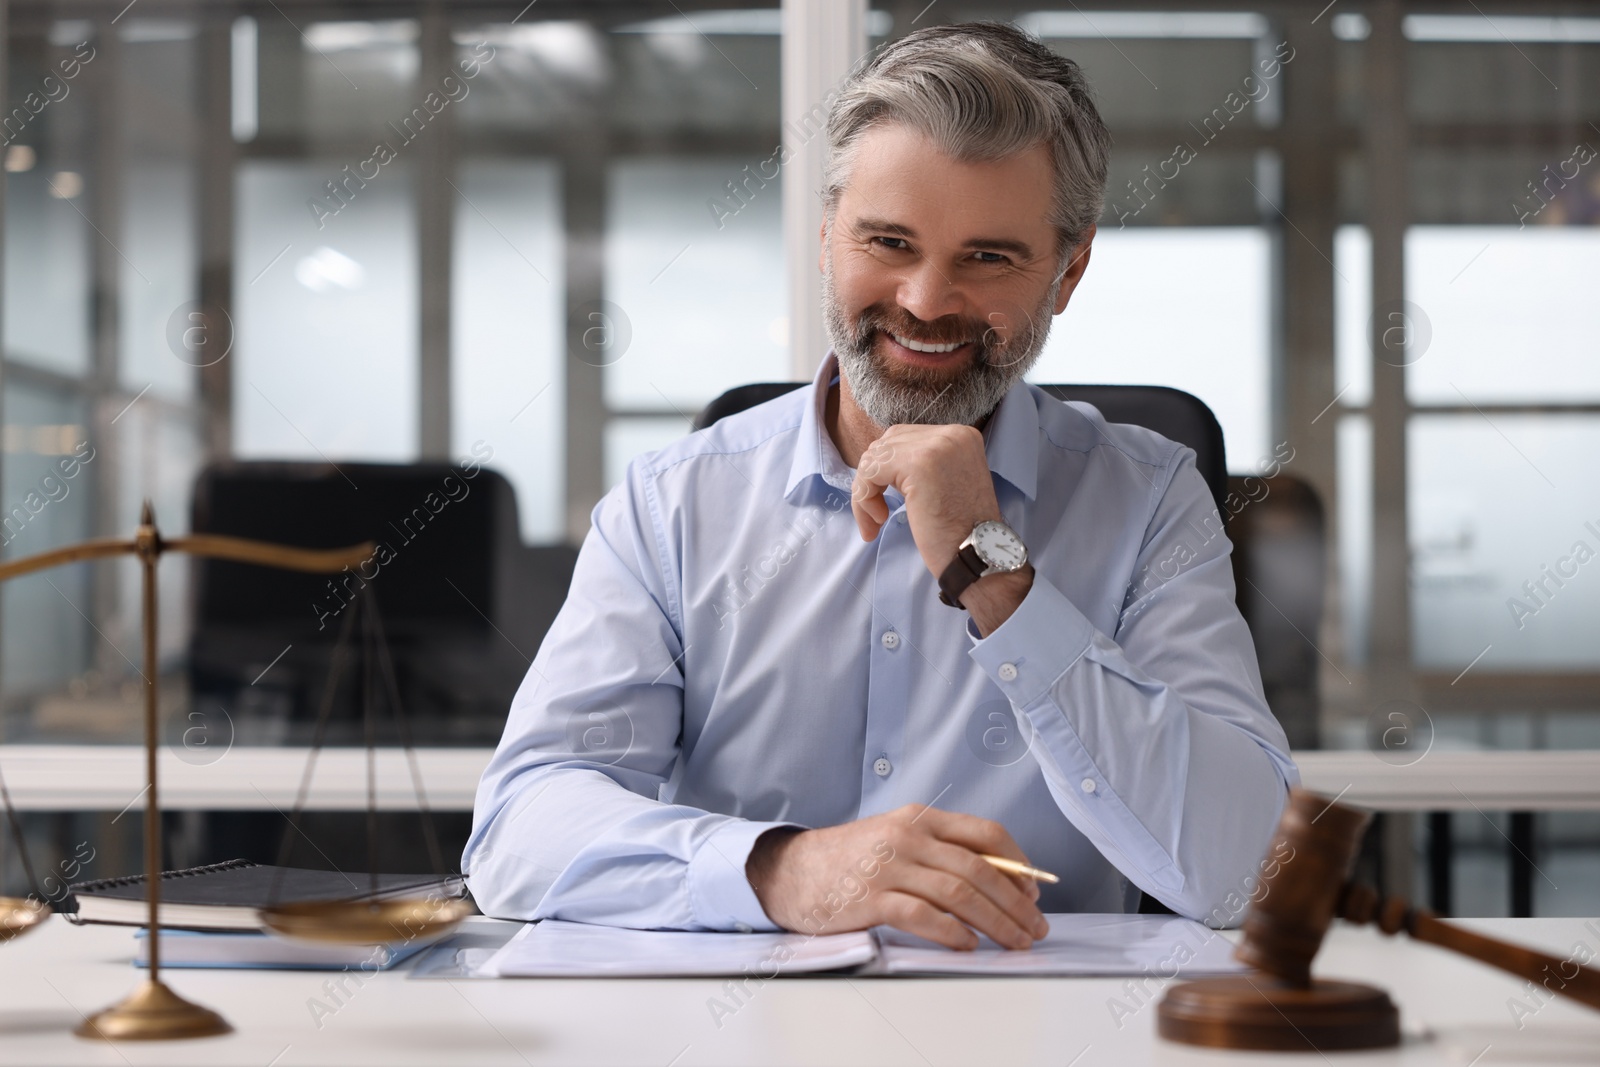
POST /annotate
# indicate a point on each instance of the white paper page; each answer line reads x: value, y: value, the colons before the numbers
x: 556, y: 949
x: 1078, y: 944
x: 464, y: 954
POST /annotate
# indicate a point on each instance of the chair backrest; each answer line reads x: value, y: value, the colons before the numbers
x: 464, y: 601
x: 1172, y: 413
x: 1279, y: 534
x: 435, y: 522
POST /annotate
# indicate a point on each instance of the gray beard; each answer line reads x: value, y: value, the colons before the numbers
x: 899, y: 395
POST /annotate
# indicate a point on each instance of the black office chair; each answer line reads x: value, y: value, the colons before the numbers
x: 458, y: 592
x: 1172, y: 413
x: 1280, y: 552
x: 464, y: 602
x: 1284, y: 527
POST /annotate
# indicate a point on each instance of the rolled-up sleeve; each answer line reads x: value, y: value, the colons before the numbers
x: 566, y: 822
x: 1156, y: 742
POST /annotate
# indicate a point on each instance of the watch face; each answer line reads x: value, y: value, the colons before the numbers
x: 999, y: 546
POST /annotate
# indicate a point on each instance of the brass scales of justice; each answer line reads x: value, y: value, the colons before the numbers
x: 153, y: 1011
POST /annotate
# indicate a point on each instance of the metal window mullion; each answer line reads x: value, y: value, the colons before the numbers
x: 435, y: 217
x: 103, y: 206
x: 585, y: 162
x: 1476, y: 410
x: 583, y: 195
x: 822, y: 40
x: 1304, y: 375
x: 217, y: 163
x: 1390, y: 676
x: 1387, y: 210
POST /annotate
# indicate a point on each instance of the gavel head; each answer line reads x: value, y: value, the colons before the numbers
x: 1305, y: 871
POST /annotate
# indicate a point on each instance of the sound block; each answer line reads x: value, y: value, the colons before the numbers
x: 1255, y: 1011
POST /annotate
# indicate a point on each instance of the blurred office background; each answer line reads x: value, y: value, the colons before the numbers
x: 556, y: 263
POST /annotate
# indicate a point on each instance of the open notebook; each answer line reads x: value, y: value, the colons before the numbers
x: 1077, y: 944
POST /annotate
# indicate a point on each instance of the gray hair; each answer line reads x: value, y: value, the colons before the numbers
x: 982, y: 91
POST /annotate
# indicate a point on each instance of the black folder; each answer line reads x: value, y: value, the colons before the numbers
x: 228, y: 896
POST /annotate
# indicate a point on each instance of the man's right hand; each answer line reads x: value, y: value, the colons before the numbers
x: 916, y: 868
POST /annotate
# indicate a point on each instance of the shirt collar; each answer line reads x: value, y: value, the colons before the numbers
x: 1011, y: 439
x: 815, y: 455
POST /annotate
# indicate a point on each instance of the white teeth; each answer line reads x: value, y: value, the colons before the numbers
x: 919, y: 346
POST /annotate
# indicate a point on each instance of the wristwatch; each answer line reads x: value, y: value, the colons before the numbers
x: 991, y: 548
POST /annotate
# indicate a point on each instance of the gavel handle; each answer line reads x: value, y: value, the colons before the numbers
x: 1564, y: 976
x: 1361, y: 904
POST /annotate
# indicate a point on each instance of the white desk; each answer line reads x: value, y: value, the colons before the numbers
x: 1452, y: 1010
x: 111, y: 777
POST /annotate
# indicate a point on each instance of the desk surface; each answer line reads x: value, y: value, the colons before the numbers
x: 1453, y: 1012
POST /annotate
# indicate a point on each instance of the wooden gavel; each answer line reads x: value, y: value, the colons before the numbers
x: 1304, y: 887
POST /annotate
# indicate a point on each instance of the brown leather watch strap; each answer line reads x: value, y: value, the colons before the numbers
x: 965, y: 569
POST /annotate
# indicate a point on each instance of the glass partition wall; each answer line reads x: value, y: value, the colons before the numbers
x: 545, y: 235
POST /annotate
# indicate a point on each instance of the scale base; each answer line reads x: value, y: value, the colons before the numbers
x: 153, y: 1013
x: 18, y: 916
x: 1258, y: 1012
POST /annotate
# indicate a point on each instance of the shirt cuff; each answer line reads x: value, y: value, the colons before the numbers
x: 720, y: 894
x: 1040, y: 642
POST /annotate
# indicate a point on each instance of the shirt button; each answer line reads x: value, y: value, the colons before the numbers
x: 891, y: 640
x: 1088, y: 785
x: 1008, y: 672
x: 881, y: 767
x: 901, y: 518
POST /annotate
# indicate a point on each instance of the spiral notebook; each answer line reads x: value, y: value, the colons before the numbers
x: 229, y: 896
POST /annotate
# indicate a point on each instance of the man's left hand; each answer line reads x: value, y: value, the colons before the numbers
x: 943, y: 473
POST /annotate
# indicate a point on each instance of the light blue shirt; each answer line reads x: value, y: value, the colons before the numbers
x: 732, y: 657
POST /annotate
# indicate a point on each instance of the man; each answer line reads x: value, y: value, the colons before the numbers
x: 756, y: 713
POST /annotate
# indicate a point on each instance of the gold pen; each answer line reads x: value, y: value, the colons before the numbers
x: 1013, y: 867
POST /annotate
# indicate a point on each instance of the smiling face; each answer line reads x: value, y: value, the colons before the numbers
x: 939, y: 277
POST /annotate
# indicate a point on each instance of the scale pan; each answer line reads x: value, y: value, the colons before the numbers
x: 357, y: 922
x: 18, y: 916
